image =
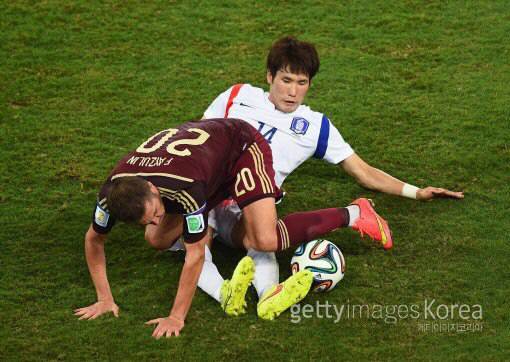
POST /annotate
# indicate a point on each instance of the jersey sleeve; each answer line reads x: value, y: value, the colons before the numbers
x: 217, y: 108
x: 102, y: 220
x: 195, y: 225
x: 191, y: 204
x: 331, y: 146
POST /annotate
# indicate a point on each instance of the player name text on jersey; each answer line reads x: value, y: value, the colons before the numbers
x: 149, y: 161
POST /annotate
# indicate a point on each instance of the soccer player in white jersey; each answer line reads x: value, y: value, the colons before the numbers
x: 295, y: 134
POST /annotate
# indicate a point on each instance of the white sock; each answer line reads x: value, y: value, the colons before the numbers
x: 267, y: 273
x: 353, y: 214
x: 210, y: 280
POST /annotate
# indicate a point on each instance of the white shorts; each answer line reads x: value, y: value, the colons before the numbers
x: 178, y: 245
x: 223, y: 219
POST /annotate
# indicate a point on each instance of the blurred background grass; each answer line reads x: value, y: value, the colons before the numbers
x: 419, y: 89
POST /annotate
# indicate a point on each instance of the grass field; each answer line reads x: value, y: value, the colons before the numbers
x: 420, y: 89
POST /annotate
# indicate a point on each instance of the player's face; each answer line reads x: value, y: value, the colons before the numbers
x: 287, y: 90
x: 154, y: 211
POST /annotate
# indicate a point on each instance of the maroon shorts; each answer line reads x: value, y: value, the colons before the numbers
x: 254, y: 174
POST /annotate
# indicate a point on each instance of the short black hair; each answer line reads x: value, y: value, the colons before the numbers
x: 297, y: 56
x: 127, y: 197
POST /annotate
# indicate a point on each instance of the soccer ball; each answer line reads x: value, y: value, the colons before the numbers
x: 324, y: 259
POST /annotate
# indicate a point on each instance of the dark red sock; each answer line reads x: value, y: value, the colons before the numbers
x: 299, y: 227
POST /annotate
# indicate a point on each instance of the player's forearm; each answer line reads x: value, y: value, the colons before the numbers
x: 187, y: 285
x: 378, y: 180
x: 96, y: 262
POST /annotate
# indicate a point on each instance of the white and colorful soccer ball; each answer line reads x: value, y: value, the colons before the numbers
x: 324, y: 259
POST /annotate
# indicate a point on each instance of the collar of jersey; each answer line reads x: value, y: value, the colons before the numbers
x: 273, y: 107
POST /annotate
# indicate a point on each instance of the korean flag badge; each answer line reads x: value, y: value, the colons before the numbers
x: 299, y: 125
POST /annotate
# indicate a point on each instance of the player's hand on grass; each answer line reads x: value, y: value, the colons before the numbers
x: 429, y: 193
x: 95, y: 310
x: 166, y: 327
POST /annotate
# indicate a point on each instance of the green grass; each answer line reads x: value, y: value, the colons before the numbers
x: 420, y: 89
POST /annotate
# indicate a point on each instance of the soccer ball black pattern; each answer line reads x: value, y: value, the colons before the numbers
x: 324, y: 259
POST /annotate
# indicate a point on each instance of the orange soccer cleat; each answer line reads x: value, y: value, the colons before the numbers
x: 371, y: 224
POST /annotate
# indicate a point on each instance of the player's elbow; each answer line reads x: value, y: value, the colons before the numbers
x: 195, y: 256
x: 92, y: 237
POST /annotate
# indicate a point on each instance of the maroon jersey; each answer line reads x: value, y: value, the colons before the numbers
x: 193, y: 166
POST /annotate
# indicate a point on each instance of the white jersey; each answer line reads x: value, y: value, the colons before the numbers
x: 293, y: 137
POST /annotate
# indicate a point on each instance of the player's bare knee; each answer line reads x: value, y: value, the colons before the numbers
x: 263, y: 242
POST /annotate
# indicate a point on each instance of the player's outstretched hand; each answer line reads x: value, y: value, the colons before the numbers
x: 166, y: 327
x: 429, y: 193
x: 95, y: 310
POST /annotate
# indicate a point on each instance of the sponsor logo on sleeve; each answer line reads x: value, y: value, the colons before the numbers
x: 101, y: 216
x: 195, y: 223
x: 299, y: 125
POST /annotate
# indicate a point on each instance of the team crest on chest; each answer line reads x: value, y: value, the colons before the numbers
x: 299, y: 125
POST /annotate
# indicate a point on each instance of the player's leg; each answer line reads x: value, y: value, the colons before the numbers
x: 210, y: 280
x: 267, y: 271
x: 300, y: 227
x: 255, y: 190
x: 260, y: 225
x: 264, y: 232
x: 274, y: 297
x: 367, y: 221
x: 228, y: 225
x: 166, y: 233
x: 231, y: 231
x: 292, y: 231
x: 233, y: 291
x: 280, y: 297
x: 229, y: 293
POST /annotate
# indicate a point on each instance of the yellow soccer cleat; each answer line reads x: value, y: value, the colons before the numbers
x: 284, y: 295
x: 233, y: 291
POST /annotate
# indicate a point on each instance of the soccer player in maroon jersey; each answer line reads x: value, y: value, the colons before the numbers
x: 171, y: 181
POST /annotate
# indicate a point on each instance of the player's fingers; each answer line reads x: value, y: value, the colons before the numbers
x: 437, y: 190
x: 91, y: 313
x: 85, y: 309
x: 448, y: 193
x: 170, y: 332
x: 153, y: 321
x: 455, y: 194
x: 95, y: 316
x: 156, y: 332
x: 85, y: 316
x: 116, y: 312
x: 176, y: 333
x: 160, y: 333
x: 82, y: 313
